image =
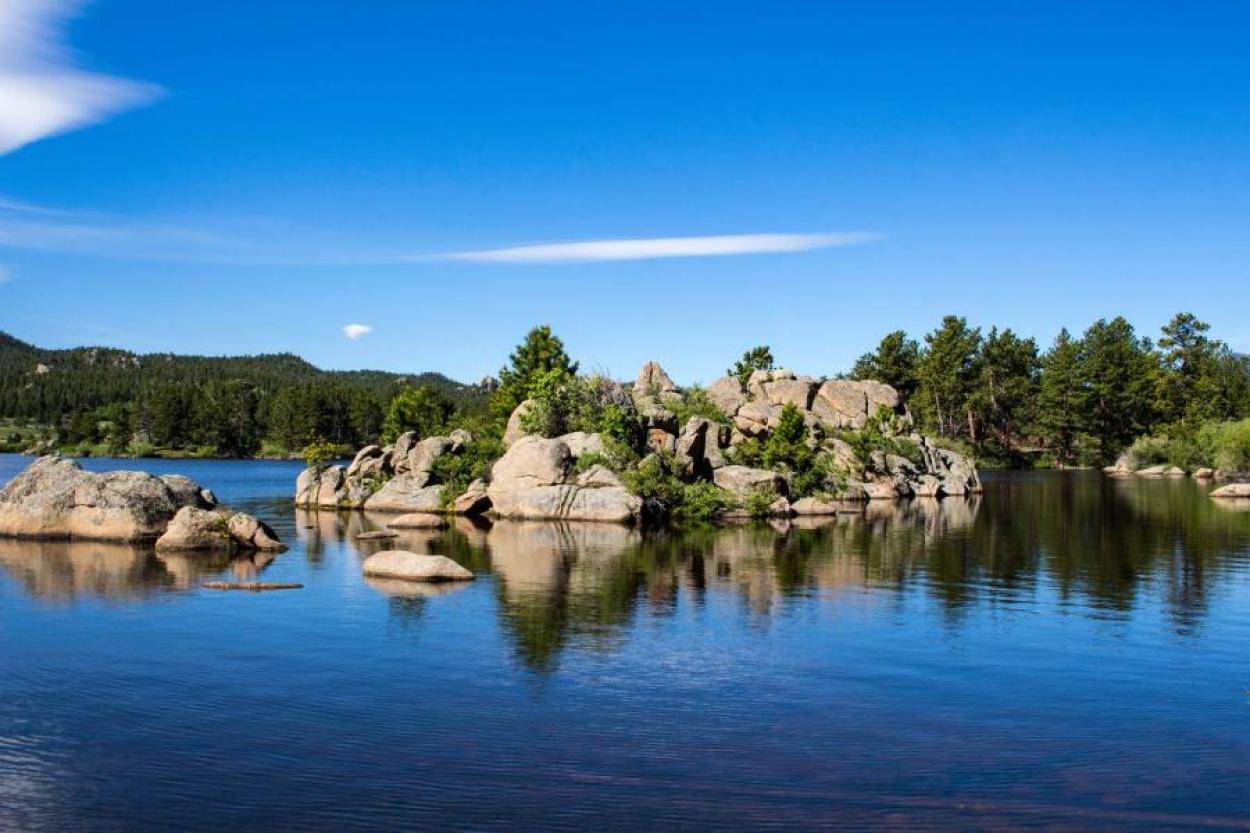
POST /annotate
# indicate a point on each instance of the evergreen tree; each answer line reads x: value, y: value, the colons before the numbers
x: 947, y: 374
x: 757, y: 358
x: 1006, y: 390
x: 1191, y: 385
x: 895, y: 362
x: 540, y: 353
x: 1118, y: 373
x: 1061, y: 399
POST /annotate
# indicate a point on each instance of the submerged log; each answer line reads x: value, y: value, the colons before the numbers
x: 254, y: 586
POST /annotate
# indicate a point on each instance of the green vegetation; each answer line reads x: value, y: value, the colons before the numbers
x: 540, y: 353
x: 695, y: 403
x: 457, y: 471
x: 790, y: 450
x: 654, y: 479
x: 757, y: 358
x: 759, y: 501
x: 1216, y: 445
x: 1083, y: 401
x: 103, y: 401
x: 424, y: 411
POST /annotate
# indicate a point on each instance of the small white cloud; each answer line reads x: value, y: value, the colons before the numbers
x: 355, y: 331
x: 662, y: 247
x: 41, y: 92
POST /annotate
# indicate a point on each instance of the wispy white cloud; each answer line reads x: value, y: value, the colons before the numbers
x: 41, y: 92
x: 355, y: 331
x: 651, y: 248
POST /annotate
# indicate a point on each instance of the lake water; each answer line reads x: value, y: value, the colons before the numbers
x: 1068, y: 652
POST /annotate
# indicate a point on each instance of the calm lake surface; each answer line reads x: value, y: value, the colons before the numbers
x: 1067, y: 652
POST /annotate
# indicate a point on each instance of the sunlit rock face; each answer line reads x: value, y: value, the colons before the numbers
x: 54, y: 498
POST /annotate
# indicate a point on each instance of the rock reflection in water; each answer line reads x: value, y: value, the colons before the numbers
x: 64, y: 571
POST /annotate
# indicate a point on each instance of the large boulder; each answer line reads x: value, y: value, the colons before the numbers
x: 411, y: 566
x: 197, y: 529
x: 55, y: 498
x: 756, y: 418
x: 742, y: 480
x: 1231, y: 491
x: 532, y: 461
x: 474, y: 500
x: 567, y: 501
x: 407, y: 493
x: 201, y: 529
x: 252, y: 533
x: 534, y: 480
x: 515, y: 429
x: 849, y: 403
x: 580, y: 443
x: 423, y: 454
x: 322, y: 488
x: 727, y: 394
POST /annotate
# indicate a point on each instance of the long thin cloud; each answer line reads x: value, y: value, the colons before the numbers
x: 651, y: 248
x: 41, y: 92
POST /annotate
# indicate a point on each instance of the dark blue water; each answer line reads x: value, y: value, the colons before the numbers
x: 1068, y: 652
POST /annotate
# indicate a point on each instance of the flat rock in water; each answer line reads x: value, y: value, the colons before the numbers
x: 253, y: 586
x: 418, y: 520
x: 414, y: 567
x: 376, y: 535
x: 1233, y: 490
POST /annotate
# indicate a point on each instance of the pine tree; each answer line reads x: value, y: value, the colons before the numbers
x: 946, y: 376
x: 540, y: 352
x: 1061, y: 399
x: 894, y: 362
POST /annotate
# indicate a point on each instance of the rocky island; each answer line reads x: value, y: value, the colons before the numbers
x: 769, y: 442
x: 55, y: 499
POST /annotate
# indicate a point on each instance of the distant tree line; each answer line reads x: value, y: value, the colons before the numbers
x: 113, y: 401
x: 1080, y: 401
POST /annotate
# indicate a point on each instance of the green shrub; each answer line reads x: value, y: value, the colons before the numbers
x: 878, y: 434
x: 758, y: 501
x: 702, y: 501
x: 1231, y: 446
x: 1149, y: 451
x: 695, y: 403
x: 654, y: 479
x: 563, y: 403
x: 317, y: 455
x: 473, y: 462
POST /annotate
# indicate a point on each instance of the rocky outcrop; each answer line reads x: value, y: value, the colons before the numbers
x: 1232, y: 491
x: 411, y: 566
x: 55, y: 498
x: 563, y: 477
x: 535, y: 480
x: 396, y: 478
x: 202, y: 529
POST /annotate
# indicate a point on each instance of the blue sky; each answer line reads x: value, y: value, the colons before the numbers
x: 253, y: 177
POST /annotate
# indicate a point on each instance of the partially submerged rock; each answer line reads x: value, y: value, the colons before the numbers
x: 418, y: 520
x: 55, y: 498
x: 201, y: 529
x: 1232, y: 491
x: 411, y: 566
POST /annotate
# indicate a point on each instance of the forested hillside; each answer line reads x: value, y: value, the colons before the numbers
x: 102, y: 399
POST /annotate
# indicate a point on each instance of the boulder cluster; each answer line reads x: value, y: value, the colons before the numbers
x: 565, y: 477
x: 54, y: 498
x: 1236, y: 488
